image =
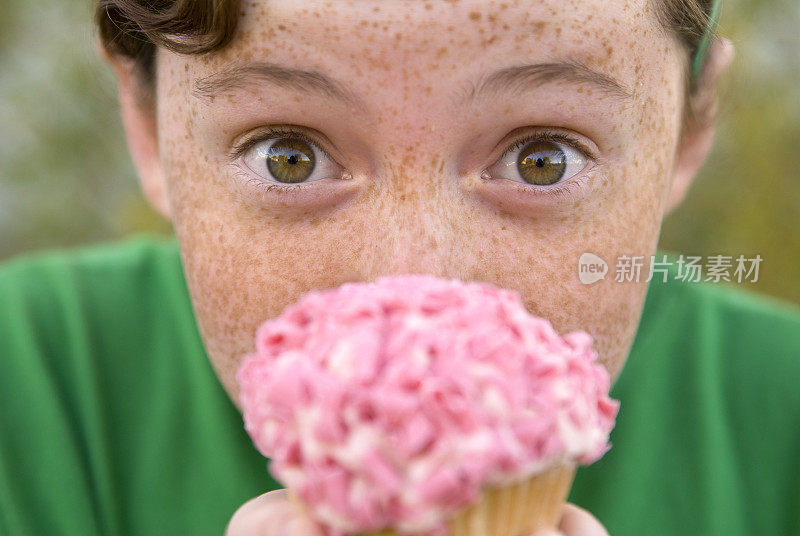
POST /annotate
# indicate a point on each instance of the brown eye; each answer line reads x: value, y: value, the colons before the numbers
x: 290, y: 160
x: 542, y: 163
x: 287, y: 158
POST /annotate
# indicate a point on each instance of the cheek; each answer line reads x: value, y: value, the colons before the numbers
x: 630, y: 226
x: 544, y: 270
x: 544, y: 266
x: 242, y: 269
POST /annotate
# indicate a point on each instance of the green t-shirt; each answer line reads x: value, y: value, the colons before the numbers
x: 113, y: 422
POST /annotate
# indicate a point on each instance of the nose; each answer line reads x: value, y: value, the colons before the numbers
x: 421, y: 234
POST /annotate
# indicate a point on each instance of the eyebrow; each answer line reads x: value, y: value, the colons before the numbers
x: 310, y: 82
x: 522, y: 77
x: 515, y: 78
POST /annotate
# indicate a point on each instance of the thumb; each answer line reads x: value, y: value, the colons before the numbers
x: 272, y: 514
x: 576, y: 521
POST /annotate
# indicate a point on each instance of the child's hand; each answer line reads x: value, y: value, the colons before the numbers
x: 273, y: 514
x: 575, y: 521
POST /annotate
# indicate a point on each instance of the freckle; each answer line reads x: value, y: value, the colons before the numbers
x: 281, y: 27
x: 474, y: 15
x: 428, y: 7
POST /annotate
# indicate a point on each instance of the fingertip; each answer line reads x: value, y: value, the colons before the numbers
x: 271, y: 514
x: 575, y: 521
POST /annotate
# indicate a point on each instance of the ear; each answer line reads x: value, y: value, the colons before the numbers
x: 698, y: 132
x: 139, y: 121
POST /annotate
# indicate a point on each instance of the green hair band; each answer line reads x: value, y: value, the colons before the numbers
x: 705, y: 42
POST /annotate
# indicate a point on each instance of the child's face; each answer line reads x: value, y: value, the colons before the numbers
x: 411, y: 123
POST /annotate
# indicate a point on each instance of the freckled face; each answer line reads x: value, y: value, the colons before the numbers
x: 420, y: 157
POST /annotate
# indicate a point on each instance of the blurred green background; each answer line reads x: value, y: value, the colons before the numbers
x: 66, y: 177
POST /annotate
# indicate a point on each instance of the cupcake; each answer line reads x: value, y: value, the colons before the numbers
x: 422, y: 405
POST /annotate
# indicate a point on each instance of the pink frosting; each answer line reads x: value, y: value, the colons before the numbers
x: 392, y: 404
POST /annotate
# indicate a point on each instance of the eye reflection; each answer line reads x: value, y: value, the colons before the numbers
x: 280, y: 157
x: 290, y: 160
x: 541, y: 161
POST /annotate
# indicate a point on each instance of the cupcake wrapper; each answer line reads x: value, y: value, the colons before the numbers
x: 519, y: 509
x: 515, y: 510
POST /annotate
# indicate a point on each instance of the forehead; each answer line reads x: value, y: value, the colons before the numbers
x: 389, y: 43
x: 408, y: 69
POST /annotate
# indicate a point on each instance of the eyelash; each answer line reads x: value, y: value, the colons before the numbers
x: 272, y: 133
x: 553, y: 136
x: 568, y: 189
x: 266, y: 187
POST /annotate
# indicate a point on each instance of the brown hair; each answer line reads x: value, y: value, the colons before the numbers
x: 133, y: 29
